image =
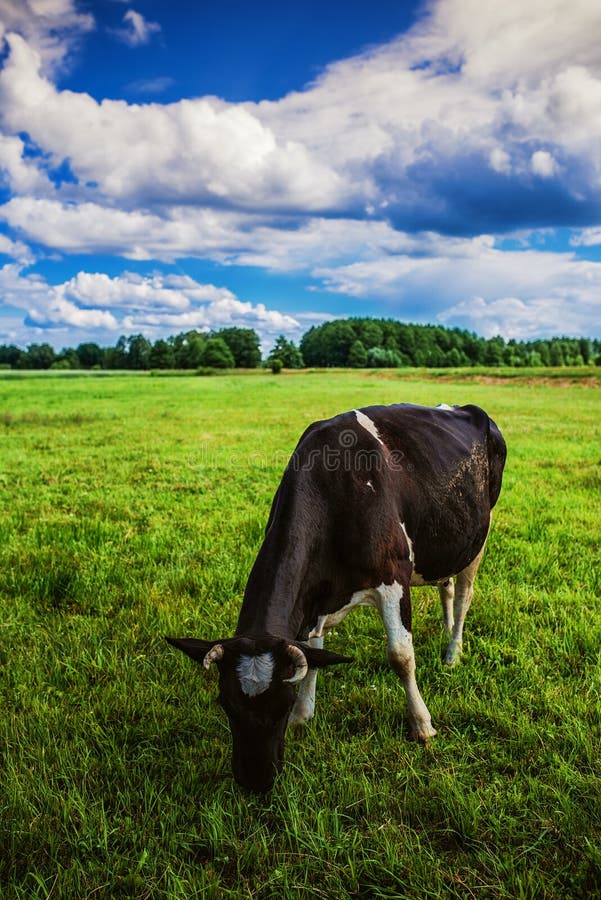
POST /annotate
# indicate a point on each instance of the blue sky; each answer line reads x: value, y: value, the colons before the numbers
x: 167, y: 166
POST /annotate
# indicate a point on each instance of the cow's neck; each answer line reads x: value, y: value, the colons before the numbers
x: 277, y: 592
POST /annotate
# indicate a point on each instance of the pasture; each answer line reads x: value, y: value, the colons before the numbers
x: 132, y: 507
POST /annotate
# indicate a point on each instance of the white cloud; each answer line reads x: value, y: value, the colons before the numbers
x: 90, y: 228
x: 137, y: 30
x: 52, y: 27
x: 500, y: 160
x: 520, y: 319
x: 15, y: 250
x: 197, y: 151
x: 416, y: 131
x: 586, y: 237
x: 17, y: 173
x: 549, y: 293
x: 151, y: 85
x: 543, y: 164
x: 382, y: 130
x: 177, y: 232
x: 154, y: 305
x: 59, y: 311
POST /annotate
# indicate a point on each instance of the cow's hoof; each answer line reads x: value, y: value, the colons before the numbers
x: 300, y: 716
x: 422, y: 732
x: 453, y: 654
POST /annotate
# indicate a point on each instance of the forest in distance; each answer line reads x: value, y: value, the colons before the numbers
x: 352, y: 342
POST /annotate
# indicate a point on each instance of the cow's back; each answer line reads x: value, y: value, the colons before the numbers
x: 436, y: 470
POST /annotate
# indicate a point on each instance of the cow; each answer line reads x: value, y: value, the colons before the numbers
x: 371, y: 503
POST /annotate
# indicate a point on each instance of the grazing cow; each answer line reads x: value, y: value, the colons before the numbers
x: 372, y: 502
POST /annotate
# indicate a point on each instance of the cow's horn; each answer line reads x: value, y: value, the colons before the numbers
x: 214, y: 655
x: 300, y: 661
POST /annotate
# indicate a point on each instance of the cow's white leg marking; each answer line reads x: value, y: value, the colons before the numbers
x: 367, y: 423
x: 304, y: 706
x: 447, y: 595
x: 402, y: 658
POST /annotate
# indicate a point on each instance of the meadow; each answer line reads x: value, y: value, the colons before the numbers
x: 132, y: 508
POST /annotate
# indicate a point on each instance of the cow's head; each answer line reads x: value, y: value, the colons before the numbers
x: 257, y: 678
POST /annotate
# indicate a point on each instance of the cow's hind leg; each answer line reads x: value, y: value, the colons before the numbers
x: 464, y: 591
x: 394, y: 604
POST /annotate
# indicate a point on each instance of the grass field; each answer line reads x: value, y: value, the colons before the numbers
x: 131, y: 508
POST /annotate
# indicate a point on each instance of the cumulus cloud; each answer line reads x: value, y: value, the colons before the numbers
x: 16, y: 250
x: 244, y: 239
x: 471, y: 92
x: 520, y: 319
x: 543, y: 164
x: 52, y: 27
x: 473, y: 284
x: 202, y: 151
x: 372, y: 180
x: 136, y: 29
x: 587, y: 237
x: 500, y: 160
x: 154, y: 304
x: 468, y: 110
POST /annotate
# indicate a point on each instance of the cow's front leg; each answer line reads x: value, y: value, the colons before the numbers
x: 447, y: 596
x: 304, y: 706
x: 394, y: 603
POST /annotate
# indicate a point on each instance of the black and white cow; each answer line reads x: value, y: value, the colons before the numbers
x: 372, y: 502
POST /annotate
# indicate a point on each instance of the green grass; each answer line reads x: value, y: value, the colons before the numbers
x: 131, y: 508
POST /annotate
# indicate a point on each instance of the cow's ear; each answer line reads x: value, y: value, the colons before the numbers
x: 317, y: 658
x: 192, y: 647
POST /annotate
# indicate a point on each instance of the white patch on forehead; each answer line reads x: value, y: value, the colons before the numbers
x: 255, y: 673
x: 444, y: 406
x: 367, y: 423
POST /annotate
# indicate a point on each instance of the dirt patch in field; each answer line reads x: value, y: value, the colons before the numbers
x: 588, y: 381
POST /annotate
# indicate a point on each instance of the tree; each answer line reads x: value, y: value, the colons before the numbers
x: 11, y: 356
x: 556, y: 354
x: 188, y: 349
x: 162, y: 355
x: 139, y: 352
x: 244, y: 346
x: 381, y: 358
x: 217, y: 354
x: 287, y: 352
x: 369, y: 333
x: 67, y: 359
x: 339, y: 338
x: 455, y: 358
x: 116, y: 357
x: 494, y: 351
x: 38, y: 356
x: 90, y: 355
x: 357, y: 357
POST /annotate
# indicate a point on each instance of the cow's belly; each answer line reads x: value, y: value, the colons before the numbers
x: 418, y: 580
x: 367, y: 597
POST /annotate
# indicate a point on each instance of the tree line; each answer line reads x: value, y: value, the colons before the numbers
x: 356, y: 342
